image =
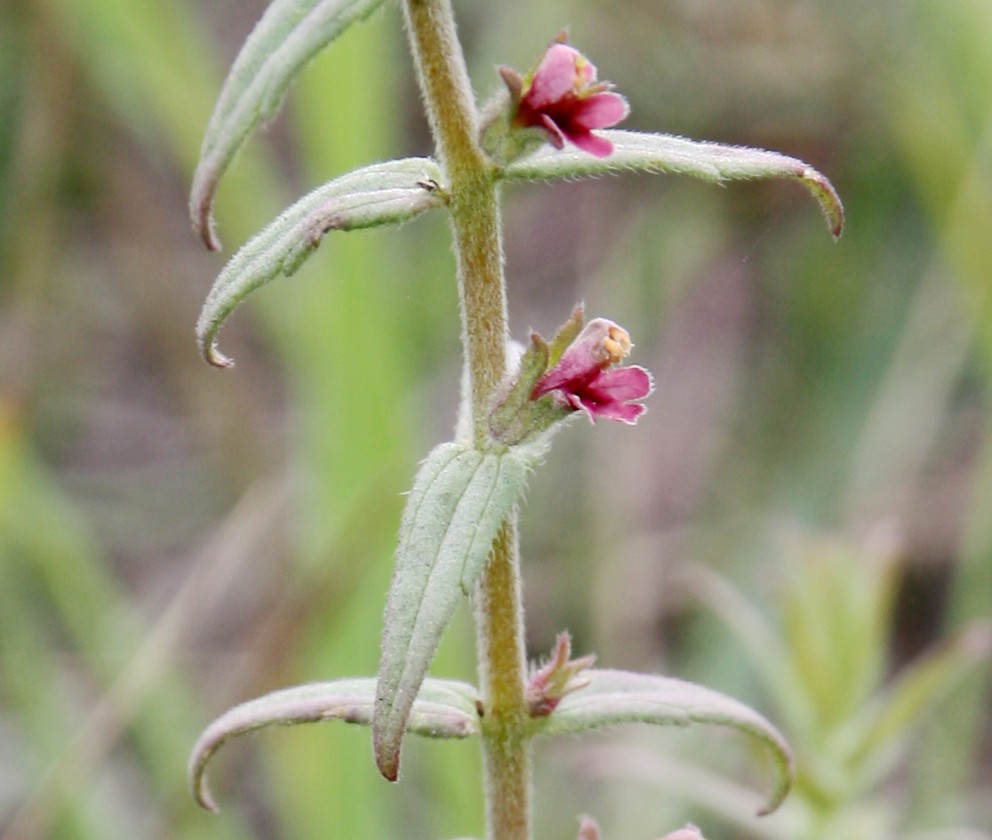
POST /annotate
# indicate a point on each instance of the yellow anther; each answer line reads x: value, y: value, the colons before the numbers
x: 617, y: 344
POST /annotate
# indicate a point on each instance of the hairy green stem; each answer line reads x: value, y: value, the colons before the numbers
x: 474, y: 202
x: 474, y: 205
x: 503, y: 668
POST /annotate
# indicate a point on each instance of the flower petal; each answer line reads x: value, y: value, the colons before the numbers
x: 603, y: 110
x: 626, y: 383
x: 554, y: 77
x: 609, y: 395
x: 555, y: 135
x: 582, y: 360
x: 623, y: 412
x: 592, y: 143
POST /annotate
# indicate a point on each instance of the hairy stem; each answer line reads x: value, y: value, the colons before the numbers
x: 474, y: 205
x: 502, y: 666
x: 474, y: 202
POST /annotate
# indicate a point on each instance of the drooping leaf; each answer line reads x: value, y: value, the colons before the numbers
x: 615, y: 697
x: 459, y: 501
x: 380, y: 194
x: 442, y: 709
x: 664, y: 153
x: 290, y: 33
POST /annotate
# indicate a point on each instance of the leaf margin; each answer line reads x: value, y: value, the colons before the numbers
x: 638, y: 151
x: 348, y: 700
x: 264, y: 69
x: 630, y: 694
x: 411, y: 633
x: 394, y: 192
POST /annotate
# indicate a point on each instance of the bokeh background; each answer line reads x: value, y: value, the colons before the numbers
x: 801, y: 520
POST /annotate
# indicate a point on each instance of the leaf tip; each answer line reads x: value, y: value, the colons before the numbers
x: 198, y: 774
x: 785, y: 774
x: 218, y: 359
x: 202, y: 796
x: 201, y: 202
x: 387, y: 737
x: 387, y: 755
x: 826, y: 195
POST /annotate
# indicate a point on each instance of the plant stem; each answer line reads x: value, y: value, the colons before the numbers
x: 474, y: 206
x: 473, y: 200
x: 502, y: 667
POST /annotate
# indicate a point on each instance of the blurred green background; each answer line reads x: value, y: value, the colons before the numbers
x: 801, y: 520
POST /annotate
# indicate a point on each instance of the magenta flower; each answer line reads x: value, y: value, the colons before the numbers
x: 585, y: 379
x: 563, y: 98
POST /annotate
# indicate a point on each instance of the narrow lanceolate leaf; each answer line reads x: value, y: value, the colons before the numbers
x: 663, y: 153
x: 453, y: 514
x: 384, y: 193
x: 870, y: 738
x: 614, y: 697
x: 443, y: 709
x: 290, y: 33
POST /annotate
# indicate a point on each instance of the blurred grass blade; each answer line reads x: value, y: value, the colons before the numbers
x: 443, y: 709
x: 290, y: 33
x: 458, y: 503
x: 663, y: 153
x: 614, y: 697
x: 384, y: 193
x: 869, y: 739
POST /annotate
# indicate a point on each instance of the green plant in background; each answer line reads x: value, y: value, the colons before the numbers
x: 458, y: 535
x: 823, y: 662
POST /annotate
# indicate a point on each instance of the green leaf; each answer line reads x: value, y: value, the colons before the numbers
x: 442, y: 709
x: 454, y: 513
x: 870, y: 740
x: 663, y: 153
x: 614, y: 697
x: 290, y: 33
x: 380, y: 194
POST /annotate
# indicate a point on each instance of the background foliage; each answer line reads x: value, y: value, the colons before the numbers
x: 174, y: 539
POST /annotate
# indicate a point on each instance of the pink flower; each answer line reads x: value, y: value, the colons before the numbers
x: 563, y: 98
x: 575, y: 371
x: 585, y: 379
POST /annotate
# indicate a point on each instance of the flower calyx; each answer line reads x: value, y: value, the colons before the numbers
x: 561, y: 675
x: 560, y: 100
x: 577, y: 371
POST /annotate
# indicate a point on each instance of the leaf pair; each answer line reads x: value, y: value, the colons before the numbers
x: 459, y: 502
x: 290, y: 33
x: 396, y: 191
x: 451, y: 709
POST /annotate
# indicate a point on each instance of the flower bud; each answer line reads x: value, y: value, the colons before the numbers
x: 559, y: 676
